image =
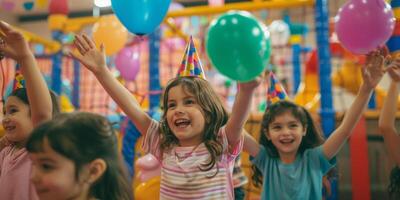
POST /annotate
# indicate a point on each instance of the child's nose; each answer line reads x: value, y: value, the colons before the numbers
x: 179, y: 110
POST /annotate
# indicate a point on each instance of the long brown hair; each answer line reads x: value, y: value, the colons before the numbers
x: 313, y: 137
x: 83, y: 137
x: 214, y: 113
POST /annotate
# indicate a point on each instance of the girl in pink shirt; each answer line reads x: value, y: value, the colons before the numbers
x: 195, y: 141
x: 24, y: 109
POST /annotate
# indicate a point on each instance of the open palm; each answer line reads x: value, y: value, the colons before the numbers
x: 89, y: 56
x: 14, y: 44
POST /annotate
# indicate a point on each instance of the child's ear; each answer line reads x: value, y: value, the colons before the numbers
x: 96, y: 169
x: 305, y: 131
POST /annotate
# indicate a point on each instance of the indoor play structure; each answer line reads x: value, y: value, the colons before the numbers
x: 145, y: 60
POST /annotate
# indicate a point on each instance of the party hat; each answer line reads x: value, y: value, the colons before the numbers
x: 191, y: 64
x: 276, y: 91
x: 19, y: 80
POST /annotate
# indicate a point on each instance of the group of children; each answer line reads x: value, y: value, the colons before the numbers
x: 75, y: 156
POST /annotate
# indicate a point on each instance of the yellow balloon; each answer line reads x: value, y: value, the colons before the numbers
x: 148, y: 190
x: 109, y: 31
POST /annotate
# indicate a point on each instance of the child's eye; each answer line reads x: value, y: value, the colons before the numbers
x: 46, y: 167
x: 11, y: 111
x: 170, y: 105
x: 294, y: 125
x: 189, y: 101
x: 276, y: 128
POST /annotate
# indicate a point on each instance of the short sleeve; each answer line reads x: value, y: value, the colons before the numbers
x: 236, y: 150
x: 318, y: 156
x: 326, y: 164
x: 261, y: 159
x: 151, y: 141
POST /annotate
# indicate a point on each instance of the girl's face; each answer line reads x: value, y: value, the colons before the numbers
x: 185, y: 116
x: 54, y: 176
x: 17, y: 122
x: 286, y: 133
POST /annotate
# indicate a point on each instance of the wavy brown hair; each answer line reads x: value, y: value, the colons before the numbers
x: 313, y: 137
x: 214, y: 113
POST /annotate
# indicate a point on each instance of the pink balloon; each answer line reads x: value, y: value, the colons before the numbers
x: 127, y: 62
x: 149, y: 167
x: 147, y: 162
x: 364, y: 25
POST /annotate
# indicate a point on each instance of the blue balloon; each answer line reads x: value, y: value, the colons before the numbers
x: 140, y: 16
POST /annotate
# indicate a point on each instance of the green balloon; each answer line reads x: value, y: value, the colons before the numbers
x: 238, y: 45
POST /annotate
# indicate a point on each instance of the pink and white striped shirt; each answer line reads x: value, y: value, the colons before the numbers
x: 15, y: 173
x: 181, y: 176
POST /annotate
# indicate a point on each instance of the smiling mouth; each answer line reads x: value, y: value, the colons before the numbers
x: 286, y: 141
x: 182, y: 123
x: 9, y: 128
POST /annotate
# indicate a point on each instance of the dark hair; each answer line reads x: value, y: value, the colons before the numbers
x: 22, y: 94
x: 214, y: 113
x: 312, y: 138
x: 394, y: 185
x: 83, y: 137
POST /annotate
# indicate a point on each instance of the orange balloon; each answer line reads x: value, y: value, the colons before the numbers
x: 109, y: 31
x: 148, y: 190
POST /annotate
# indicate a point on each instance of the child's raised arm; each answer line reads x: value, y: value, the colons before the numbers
x: 240, y: 110
x: 388, y: 114
x: 16, y: 47
x: 372, y: 73
x: 95, y: 60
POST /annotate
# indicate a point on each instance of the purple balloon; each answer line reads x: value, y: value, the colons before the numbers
x: 364, y: 25
x: 127, y: 62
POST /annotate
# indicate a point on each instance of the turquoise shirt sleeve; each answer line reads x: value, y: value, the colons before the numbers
x: 324, y: 163
x: 261, y: 159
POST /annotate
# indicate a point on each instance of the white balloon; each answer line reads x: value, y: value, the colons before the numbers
x: 280, y: 33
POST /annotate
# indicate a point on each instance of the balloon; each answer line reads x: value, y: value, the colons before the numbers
x: 128, y: 62
x: 148, y: 190
x: 147, y: 162
x: 238, y: 45
x: 140, y: 16
x: 363, y: 25
x: 149, y: 167
x: 109, y: 31
x: 280, y: 33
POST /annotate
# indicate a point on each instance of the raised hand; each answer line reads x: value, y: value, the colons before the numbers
x: 92, y: 58
x: 394, y: 70
x: 13, y: 43
x: 373, y: 70
x: 251, y: 85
